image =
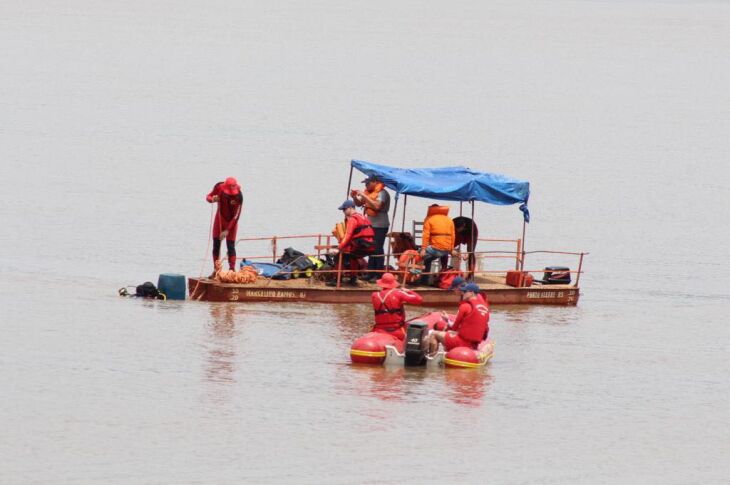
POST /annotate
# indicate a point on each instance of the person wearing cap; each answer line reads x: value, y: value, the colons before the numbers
x: 471, y: 325
x: 225, y: 226
x: 358, y: 240
x: 375, y: 202
x: 390, y: 316
x: 456, y: 283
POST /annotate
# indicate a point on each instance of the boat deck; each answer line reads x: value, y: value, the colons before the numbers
x: 315, y: 291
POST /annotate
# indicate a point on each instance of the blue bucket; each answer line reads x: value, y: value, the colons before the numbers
x: 172, y: 285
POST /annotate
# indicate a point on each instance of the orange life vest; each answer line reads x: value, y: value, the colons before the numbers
x: 409, y: 259
x: 373, y: 196
x: 339, y: 231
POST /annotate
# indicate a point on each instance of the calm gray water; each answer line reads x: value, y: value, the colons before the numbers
x: 116, y: 118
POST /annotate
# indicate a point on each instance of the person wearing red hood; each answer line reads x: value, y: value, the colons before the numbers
x: 390, y: 317
x: 230, y: 202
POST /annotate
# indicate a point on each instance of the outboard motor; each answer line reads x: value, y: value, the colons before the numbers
x: 556, y: 275
x: 415, y: 351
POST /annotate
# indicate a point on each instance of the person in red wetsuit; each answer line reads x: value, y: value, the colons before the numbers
x: 359, y: 239
x: 471, y: 325
x: 230, y: 202
x: 390, y: 316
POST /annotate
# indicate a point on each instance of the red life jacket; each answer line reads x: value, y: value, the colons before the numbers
x: 388, y: 308
x: 447, y: 276
x: 363, y: 236
x: 474, y: 326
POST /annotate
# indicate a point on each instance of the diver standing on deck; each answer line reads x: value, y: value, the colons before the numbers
x: 230, y: 202
x: 390, y: 316
x: 375, y: 202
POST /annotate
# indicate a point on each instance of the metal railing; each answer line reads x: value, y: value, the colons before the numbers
x: 324, y: 242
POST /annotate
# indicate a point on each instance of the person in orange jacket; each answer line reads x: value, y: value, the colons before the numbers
x: 437, y: 239
x: 230, y: 202
x: 471, y: 325
x: 390, y: 316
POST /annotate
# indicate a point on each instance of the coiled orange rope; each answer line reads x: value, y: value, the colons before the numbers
x: 245, y: 275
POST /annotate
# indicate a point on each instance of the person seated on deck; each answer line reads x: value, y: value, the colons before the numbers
x: 359, y: 240
x: 471, y: 325
x: 467, y: 233
x: 390, y: 317
x: 437, y: 239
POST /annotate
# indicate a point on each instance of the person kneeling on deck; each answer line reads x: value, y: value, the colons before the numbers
x: 359, y: 240
x: 230, y: 201
x: 471, y: 325
x: 390, y: 317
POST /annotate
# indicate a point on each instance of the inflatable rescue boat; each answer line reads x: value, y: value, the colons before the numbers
x: 380, y: 348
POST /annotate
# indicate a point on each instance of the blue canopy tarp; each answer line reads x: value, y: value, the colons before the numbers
x: 451, y: 183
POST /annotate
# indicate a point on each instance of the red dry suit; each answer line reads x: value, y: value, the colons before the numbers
x: 226, y: 219
x: 389, y: 313
x: 472, y: 321
x: 229, y: 210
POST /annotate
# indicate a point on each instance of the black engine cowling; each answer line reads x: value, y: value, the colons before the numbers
x: 415, y: 351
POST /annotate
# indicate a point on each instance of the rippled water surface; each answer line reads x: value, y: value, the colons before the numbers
x: 117, y: 118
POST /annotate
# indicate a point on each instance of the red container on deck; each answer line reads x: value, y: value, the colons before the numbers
x: 519, y: 279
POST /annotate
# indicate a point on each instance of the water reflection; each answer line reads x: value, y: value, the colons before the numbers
x: 382, y: 382
x: 467, y: 386
x: 221, y: 356
x: 353, y: 320
x: 396, y: 384
x: 518, y: 314
x: 524, y: 314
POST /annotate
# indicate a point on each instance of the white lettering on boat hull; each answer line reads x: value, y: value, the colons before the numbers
x: 544, y: 294
x: 275, y: 294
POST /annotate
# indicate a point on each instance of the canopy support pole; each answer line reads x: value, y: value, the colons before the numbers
x: 392, y: 223
x: 580, y: 266
x: 349, y: 184
x: 339, y: 254
x: 461, y: 207
x: 522, y: 258
x: 403, y: 221
x: 472, y: 258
